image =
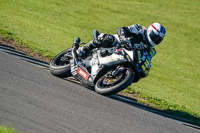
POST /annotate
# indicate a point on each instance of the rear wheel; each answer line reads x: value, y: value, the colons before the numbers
x: 113, y: 83
x: 60, y: 65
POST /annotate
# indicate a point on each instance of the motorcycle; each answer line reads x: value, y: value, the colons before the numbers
x: 108, y: 70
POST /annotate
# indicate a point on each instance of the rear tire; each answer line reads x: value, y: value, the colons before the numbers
x: 103, y: 89
x: 58, y: 68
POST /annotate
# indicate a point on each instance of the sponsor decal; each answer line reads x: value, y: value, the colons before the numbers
x: 83, y: 73
x: 118, y: 50
x: 128, y: 58
x: 74, y: 68
x: 139, y: 56
x: 143, y: 68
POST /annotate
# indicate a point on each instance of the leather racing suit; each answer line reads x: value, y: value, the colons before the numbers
x: 134, y: 33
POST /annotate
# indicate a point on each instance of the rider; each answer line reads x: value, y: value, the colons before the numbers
x: 141, y: 38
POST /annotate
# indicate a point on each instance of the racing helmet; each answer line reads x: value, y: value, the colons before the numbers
x: 155, y: 34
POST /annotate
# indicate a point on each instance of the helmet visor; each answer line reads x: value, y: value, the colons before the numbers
x: 155, y: 38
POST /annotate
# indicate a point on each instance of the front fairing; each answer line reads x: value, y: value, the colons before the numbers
x: 81, y: 74
x: 117, y: 56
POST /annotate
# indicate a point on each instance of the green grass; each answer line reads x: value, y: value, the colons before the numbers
x: 49, y: 26
x: 6, y: 129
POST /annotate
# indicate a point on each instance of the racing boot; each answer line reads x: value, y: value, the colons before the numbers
x: 86, y: 48
x: 75, y: 47
x: 76, y: 43
x: 103, y: 40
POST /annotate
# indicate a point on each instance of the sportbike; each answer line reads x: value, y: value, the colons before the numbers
x: 108, y: 70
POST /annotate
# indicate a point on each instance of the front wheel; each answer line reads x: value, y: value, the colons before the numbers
x: 110, y: 84
x: 60, y: 65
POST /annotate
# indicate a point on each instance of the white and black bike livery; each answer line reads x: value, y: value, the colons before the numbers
x: 108, y: 70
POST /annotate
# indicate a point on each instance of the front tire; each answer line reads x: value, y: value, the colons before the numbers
x: 105, y: 86
x: 61, y: 68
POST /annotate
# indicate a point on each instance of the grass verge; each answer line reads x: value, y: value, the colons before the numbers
x: 6, y: 129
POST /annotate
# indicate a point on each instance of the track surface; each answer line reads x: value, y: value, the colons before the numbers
x: 34, y: 101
